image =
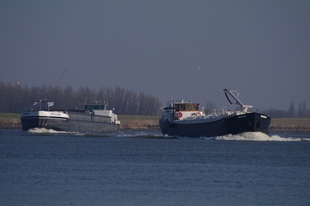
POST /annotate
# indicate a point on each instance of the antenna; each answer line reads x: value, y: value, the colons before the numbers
x: 60, y: 78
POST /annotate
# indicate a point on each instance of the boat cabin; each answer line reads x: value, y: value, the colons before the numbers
x: 181, y: 110
x: 91, y: 107
x: 186, y: 106
x: 100, y: 110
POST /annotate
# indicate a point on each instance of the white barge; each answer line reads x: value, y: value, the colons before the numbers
x: 94, y: 118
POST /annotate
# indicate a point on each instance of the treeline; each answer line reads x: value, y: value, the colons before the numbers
x: 15, y: 98
x: 300, y: 112
x: 292, y: 112
x: 275, y: 113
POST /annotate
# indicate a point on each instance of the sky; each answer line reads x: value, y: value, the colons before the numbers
x: 180, y: 49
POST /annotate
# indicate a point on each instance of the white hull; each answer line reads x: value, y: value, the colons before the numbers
x: 68, y: 121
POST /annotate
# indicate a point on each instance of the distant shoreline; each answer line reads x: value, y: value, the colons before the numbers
x: 140, y: 122
x: 290, y: 125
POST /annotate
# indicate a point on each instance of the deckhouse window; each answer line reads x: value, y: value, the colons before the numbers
x: 187, y: 107
x: 92, y: 107
x: 182, y: 107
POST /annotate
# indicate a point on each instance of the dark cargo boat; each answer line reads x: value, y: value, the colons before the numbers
x: 94, y: 118
x: 185, y: 119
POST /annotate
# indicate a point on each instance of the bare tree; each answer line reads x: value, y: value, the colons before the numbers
x: 302, y: 111
x: 15, y: 98
x: 291, y: 110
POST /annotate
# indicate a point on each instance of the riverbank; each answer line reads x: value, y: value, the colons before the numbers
x: 140, y: 122
x: 290, y: 125
x: 10, y: 121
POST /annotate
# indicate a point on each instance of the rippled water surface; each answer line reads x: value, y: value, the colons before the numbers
x: 146, y: 168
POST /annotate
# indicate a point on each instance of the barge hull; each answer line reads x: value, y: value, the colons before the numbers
x: 68, y: 125
x: 249, y: 122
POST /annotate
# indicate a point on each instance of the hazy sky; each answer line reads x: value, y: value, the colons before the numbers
x: 187, y: 49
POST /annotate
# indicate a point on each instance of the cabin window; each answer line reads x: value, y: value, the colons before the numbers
x: 196, y: 106
x: 189, y: 107
x: 182, y: 107
x: 91, y: 107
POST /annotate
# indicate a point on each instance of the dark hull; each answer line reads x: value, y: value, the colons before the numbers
x: 61, y: 124
x: 250, y: 122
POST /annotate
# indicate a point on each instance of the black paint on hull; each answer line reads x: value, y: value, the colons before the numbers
x: 250, y: 122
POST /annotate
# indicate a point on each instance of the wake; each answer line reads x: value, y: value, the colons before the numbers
x: 246, y: 136
x: 258, y: 136
x: 49, y: 131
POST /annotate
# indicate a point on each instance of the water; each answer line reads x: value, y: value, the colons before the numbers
x: 145, y: 168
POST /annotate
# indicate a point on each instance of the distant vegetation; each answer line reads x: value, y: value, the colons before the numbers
x: 15, y: 98
x: 292, y: 112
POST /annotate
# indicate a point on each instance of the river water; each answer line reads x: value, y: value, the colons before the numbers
x: 146, y: 168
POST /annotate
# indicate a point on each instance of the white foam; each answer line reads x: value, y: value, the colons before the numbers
x: 256, y: 136
x: 43, y: 130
